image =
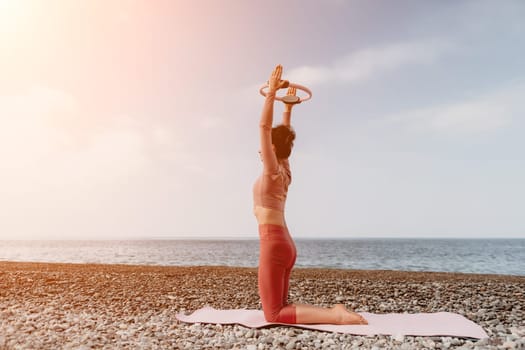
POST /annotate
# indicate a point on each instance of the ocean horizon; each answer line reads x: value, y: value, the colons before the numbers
x: 465, y: 255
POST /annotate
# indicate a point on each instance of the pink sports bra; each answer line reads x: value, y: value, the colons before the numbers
x: 270, y: 190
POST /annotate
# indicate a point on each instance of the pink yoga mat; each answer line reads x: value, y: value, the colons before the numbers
x: 420, y: 324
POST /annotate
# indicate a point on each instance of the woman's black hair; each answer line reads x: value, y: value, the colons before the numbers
x: 282, y: 138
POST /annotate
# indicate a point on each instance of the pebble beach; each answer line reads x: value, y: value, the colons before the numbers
x: 84, y: 306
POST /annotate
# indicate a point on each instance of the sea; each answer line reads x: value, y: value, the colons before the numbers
x: 486, y: 256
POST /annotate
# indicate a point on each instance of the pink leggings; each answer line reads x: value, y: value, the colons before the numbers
x: 277, y: 257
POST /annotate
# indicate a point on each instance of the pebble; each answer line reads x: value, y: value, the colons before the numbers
x: 290, y: 345
x: 509, y: 345
x: 399, y: 338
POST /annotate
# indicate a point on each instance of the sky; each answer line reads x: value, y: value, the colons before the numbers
x: 134, y: 119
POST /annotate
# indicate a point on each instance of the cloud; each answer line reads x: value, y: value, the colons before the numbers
x: 45, y: 129
x: 484, y: 113
x: 48, y: 141
x: 367, y: 63
x: 53, y: 184
x: 43, y: 120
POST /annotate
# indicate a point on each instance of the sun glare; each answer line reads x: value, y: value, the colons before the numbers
x: 6, y: 6
x: 11, y: 12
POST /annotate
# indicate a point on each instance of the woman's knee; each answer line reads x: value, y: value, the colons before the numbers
x: 282, y: 315
x: 271, y: 315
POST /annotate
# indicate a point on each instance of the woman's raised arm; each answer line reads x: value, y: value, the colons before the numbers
x: 268, y: 155
x: 287, y: 114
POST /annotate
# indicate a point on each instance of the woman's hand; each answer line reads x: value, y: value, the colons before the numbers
x: 291, y: 92
x: 275, y: 83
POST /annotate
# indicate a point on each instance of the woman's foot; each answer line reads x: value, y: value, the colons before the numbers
x: 344, y: 316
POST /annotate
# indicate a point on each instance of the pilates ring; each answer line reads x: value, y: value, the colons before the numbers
x: 289, y: 99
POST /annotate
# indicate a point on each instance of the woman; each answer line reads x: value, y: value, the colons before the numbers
x: 277, y: 249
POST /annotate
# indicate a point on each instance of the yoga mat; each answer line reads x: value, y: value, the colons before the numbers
x: 420, y: 324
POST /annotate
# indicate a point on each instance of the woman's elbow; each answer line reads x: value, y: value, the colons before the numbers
x: 265, y: 127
